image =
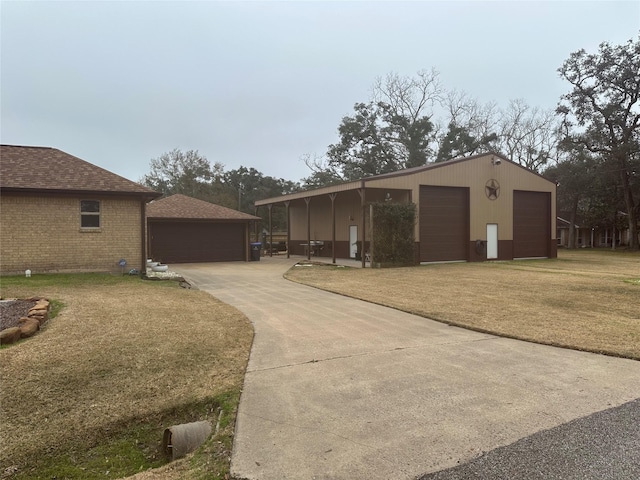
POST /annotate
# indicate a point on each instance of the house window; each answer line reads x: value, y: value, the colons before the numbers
x: 89, y: 214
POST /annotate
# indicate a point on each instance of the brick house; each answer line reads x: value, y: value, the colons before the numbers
x: 60, y: 213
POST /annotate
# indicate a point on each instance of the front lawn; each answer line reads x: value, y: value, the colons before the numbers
x: 584, y: 299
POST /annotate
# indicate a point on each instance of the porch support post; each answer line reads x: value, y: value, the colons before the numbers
x: 255, y: 212
x: 332, y: 196
x: 247, y: 241
x: 307, y: 201
x: 364, y: 218
x: 270, y: 206
x: 286, y: 204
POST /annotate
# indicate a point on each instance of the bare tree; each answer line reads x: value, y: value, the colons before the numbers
x: 471, y: 127
x: 528, y: 135
x: 406, y: 106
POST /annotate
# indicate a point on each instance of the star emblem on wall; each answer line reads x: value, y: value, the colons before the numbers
x: 492, y: 189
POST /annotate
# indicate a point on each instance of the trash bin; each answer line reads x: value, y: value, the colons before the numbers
x: 255, y: 251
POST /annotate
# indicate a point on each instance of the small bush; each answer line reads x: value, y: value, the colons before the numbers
x: 393, y: 226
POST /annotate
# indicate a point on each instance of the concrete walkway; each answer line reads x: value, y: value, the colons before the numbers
x: 338, y: 388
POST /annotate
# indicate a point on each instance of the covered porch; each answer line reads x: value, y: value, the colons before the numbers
x: 331, y: 222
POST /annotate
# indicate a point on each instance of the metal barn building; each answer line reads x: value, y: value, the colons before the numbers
x: 483, y: 207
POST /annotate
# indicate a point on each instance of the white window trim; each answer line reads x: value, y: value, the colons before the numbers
x: 85, y: 214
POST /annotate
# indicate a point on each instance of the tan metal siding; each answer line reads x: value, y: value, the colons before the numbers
x: 474, y: 174
x: 348, y: 212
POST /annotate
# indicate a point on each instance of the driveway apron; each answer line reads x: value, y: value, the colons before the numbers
x: 338, y: 388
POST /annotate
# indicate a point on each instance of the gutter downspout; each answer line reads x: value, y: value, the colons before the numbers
x: 143, y: 236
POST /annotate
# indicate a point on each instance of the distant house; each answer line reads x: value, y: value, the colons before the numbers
x: 483, y: 207
x: 584, y: 235
x: 59, y: 213
x: 182, y: 229
x: 595, y: 236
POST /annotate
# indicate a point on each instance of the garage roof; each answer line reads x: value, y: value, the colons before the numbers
x: 182, y: 207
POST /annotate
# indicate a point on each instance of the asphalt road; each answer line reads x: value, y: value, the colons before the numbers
x: 604, y: 445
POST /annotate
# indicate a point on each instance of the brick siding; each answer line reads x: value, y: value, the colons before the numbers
x: 44, y: 235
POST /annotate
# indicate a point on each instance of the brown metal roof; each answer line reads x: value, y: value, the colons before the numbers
x: 182, y: 207
x: 362, y: 183
x: 45, y: 169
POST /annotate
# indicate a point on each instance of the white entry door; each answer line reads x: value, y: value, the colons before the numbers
x: 353, y: 239
x: 492, y: 241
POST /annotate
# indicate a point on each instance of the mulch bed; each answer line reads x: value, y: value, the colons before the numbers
x: 11, y: 311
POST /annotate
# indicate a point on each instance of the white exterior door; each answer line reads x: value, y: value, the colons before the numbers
x: 492, y: 241
x: 353, y: 238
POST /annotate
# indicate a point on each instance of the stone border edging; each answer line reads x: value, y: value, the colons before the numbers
x: 29, y: 325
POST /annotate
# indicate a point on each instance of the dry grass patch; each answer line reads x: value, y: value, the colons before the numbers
x: 123, y: 360
x: 586, y: 300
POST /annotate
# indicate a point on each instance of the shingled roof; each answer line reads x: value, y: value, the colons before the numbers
x: 182, y: 207
x: 45, y: 169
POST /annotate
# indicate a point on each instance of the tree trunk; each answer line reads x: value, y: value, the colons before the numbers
x: 633, y: 230
x: 632, y: 217
x: 572, y: 224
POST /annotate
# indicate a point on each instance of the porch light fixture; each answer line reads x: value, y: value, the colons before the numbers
x: 496, y: 160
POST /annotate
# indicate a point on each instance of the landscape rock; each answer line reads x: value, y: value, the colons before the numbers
x: 21, y: 318
x: 28, y: 326
x: 40, y: 315
x: 10, y: 335
x: 34, y: 299
x: 39, y: 306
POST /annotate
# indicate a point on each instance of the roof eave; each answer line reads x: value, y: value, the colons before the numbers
x: 200, y: 219
x: 150, y: 195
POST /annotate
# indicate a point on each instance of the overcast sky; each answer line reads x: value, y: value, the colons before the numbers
x: 260, y: 84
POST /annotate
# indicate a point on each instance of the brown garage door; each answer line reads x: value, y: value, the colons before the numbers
x: 531, y: 224
x: 444, y: 223
x: 190, y: 242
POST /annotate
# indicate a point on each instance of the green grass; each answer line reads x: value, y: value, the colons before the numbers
x: 134, y: 446
x: 68, y: 280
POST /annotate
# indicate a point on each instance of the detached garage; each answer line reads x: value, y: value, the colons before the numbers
x: 182, y: 229
x: 483, y: 207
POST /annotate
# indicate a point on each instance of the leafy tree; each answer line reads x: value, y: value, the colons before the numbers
x: 575, y: 175
x: 472, y: 127
x: 362, y: 151
x: 249, y: 185
x: 322, y: 174
x: 406, y: 104
x: 602, y: 113
x: 391, y: 132
x: 459, y: 142
x: 176, y: 171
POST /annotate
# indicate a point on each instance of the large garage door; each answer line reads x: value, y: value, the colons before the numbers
x: 531, y: 224
x: 177, y: 242
x: 444, y: 223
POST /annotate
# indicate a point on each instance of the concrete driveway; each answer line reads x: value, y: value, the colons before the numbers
x: 338, y: 388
